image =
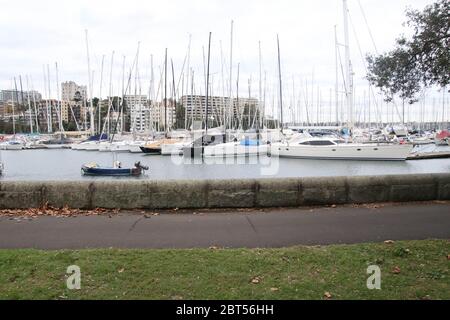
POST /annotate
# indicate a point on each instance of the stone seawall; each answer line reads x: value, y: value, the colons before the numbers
x: 238, y: 193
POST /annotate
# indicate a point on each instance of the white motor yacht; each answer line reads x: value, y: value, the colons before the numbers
x: 336, y: 148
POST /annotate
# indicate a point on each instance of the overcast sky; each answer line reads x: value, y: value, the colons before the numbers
x: 40, y: 32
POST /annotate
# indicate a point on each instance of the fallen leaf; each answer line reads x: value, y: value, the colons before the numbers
x: 256, y: 280
x: 389, y: 242
x: 121, y: 270
x: 327, y: 295
x: 396, y: 270
x: 274, y: 289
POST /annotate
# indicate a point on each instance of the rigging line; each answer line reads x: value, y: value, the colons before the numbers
x: 342, y: 69
x: 365, y: 68
x: 367, y: 25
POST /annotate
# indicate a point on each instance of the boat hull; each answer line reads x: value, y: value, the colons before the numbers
x: 346, y: 152
x: 96, y: 171
x: 236, y: 150
x: 151, y: 150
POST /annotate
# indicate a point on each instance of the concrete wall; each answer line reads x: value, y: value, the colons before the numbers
x: 225, y: 193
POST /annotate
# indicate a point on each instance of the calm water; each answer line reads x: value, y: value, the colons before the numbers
x: 65, y: 165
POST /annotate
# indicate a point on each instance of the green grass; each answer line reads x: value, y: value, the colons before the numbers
x: 287, y: 273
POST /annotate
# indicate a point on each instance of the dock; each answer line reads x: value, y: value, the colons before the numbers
x: 429, y: 155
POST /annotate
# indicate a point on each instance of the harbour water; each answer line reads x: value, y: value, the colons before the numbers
x: 65, y: 164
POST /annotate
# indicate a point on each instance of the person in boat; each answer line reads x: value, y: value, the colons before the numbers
x: 117, y: 164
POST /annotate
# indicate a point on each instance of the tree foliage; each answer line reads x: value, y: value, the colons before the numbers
x: 421, y: 60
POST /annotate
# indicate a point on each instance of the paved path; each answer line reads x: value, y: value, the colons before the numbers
x: 270, y: 228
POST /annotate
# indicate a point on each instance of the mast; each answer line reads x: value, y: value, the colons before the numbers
x: 29, y: 105
x: 165, y: 94
x: 151, y: 94
x: 14, y: 121
x: 136, y: 80
x: 108, y: 114
x: 34, y: 105
x: 281, y: 90
x: 46, y: 104
x: 50, y: 101
x: 260, y: 87
x: 58, y: 102
x: 230, y: 98
x: 174, y: 104
x: 90, y: 86
x: 123, y: 94
x: 187, y: 80
x: 207, y: 85
x: 100, y: 97
x: 336, y: 87
x: 348, y: 71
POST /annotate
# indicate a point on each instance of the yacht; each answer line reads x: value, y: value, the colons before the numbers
x: 337, y: 148
x: 243, y: 148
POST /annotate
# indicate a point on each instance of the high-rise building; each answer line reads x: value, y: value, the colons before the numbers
x: 139, y: 118
x: 158, y: 115
x: 73, y: 99
x: 217, y: 106
x: 70, y: 91
x: 133, y: 100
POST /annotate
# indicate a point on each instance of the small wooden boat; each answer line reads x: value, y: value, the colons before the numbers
x: 93, y: 169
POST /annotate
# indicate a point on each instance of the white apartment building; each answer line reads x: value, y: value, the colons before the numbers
x: 133, y: 100
x: 73, y: 96
x: 158, y: 115
x: 140, y: 118
x: 70, y: 91
x: 217, y: 106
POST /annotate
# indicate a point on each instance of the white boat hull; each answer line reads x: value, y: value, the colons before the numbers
x: 135, y: 147
x: 235, y: 149
x: 346, y: 151
x: 87, y: 146
x: 13, y: 147
x: 173, y: 148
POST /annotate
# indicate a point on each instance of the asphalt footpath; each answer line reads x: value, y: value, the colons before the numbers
x: 279, y: 227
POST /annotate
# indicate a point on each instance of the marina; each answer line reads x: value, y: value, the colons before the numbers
x: 209, y: 150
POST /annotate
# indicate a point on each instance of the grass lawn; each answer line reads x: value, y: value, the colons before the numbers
x: 409, y: 270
